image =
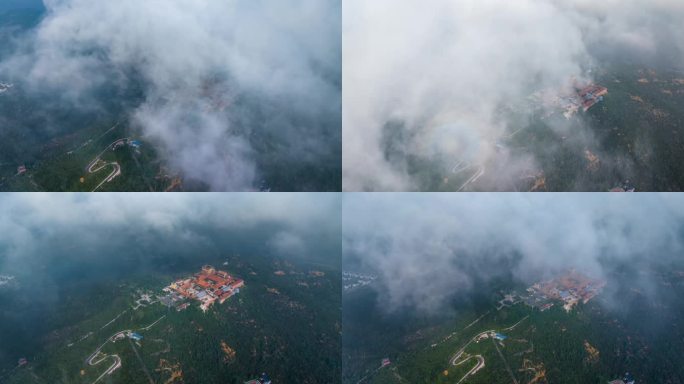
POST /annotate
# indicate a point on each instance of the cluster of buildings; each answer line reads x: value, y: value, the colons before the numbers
x: 126, y: 141
x: 207, y: 286
x: 4, y: 87
x: 509, y: 299
x: 569, y: 104
x: 590, y: 95
x: 581, y: 97
x: 264, y: 379
x: 490, y: 335
x: 351, y: 280
x: 627, y: 379
x: 570, y: 289
x: 135, y: 336
x: 584, y: 98
x: 5, y: 279
x: 626, y: 186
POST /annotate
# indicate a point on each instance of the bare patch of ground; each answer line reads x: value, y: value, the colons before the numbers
x: 594, y: 162
x: 174, y: 371
x: 228, y: 353
x: 592, y: 353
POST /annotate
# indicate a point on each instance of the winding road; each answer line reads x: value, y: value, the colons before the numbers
x: 480, y: 171
x: 92, y: 361
x: 480, y: 364
x: 116, y: 170
x: 480, y: 360
x: 455, y: 360
x: 461, y: 166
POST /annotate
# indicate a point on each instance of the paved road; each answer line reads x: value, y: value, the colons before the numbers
x: 113, y: 320
x: 460, y: 351
x: 516, y: 324
x: 461, y: 166
x: 480, y: 364
x: 476, y: 320
x: 90, y: 360
x: 151, y: 325
x: 116, y: 171
x: 110, y: 146
x: 480, y: 360
x: 480, y: 171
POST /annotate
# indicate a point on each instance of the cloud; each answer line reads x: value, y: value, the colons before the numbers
x: 437, y: 76
x: 428, y: 248
x: 215, y: 76
x: 287, y: 243
x: 38, y: 228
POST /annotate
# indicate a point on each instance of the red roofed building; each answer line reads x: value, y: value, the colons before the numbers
x: 591, y: 95
x: 208, y: 285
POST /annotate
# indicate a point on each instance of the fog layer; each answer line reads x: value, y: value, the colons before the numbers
x: 429, y: 79
x: 428, y: 248
x: 132, y: 232
x: 218, y: 77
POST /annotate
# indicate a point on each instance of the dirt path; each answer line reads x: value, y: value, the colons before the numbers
x: 508, y: 368
x: 151, y: 325
x: 142, y: 364
x: 516, y: 324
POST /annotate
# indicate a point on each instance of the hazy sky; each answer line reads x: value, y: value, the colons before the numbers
x: 427, y: 248
x: 215, y: 74
x: 42, y: 229
x: 444, y: 69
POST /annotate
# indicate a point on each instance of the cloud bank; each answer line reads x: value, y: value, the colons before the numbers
x: 430, y: 79
x: 218, y: 77
x: 428, y: 248
x: 136, y: 229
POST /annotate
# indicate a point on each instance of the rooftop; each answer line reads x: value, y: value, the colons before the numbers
x: 207, y: 286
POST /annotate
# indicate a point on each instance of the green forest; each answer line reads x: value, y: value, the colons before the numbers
x: 286, y: 324
x: 624, y: 329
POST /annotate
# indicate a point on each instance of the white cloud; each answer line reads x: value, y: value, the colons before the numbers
x: 429, y: 247
x: 210, y: 71
x: 29, y: 222
x: 444, y: 69
x: 288, y: 243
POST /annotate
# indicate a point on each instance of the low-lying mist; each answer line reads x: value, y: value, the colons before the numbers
x: 226, y: 89
x: 429, y: 249
x: 134, y: 230
x: 429, y: 84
